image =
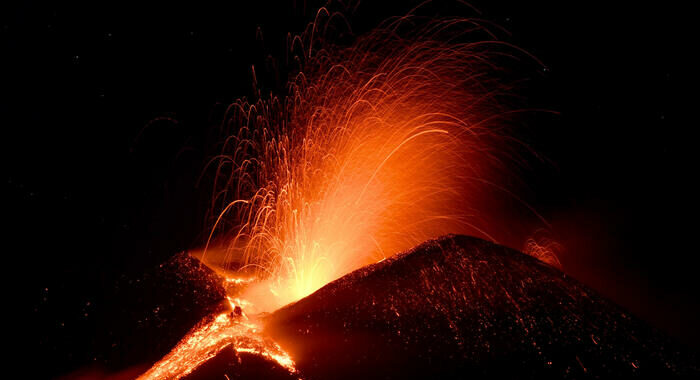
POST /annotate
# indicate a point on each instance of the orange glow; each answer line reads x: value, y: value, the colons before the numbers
x: 207, y: 339
x: 544, y: 249
x: 376, y: 148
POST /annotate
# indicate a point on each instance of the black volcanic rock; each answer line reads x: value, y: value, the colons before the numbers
x: 149, y: 314
x: 235, y: 365
x: 463, y: 307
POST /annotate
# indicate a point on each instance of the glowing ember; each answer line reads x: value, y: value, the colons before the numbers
x: 543, y: 249
x: 377, y: 147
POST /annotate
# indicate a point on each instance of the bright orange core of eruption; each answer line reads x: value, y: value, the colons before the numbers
x: 375, y: 148
x: 381, y: 168
x: 346, y: 197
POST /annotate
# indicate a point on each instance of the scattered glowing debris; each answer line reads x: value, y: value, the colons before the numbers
x: 544, y: 249
x: 375, y: 148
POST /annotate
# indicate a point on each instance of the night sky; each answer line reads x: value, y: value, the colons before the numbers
x: 106, y: 114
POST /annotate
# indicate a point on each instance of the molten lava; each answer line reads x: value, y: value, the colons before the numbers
x: 211, y: 336
x: 376, y: 147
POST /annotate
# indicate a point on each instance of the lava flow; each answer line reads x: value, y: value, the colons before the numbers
x: 376, y: 147
x: 214, y: 334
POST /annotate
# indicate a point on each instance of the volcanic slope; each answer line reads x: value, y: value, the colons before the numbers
x: 463, y: 307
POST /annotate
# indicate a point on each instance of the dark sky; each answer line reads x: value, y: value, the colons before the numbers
x: 105, y: 111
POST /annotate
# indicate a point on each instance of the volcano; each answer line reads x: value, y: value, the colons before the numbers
x: 458, y: 306
x: 463, y: 307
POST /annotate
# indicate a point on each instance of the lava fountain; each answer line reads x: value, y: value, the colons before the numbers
x: 376, y: 146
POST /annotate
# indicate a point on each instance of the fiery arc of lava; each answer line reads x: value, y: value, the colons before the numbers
x: 376, y: 147
x: 208, y: 338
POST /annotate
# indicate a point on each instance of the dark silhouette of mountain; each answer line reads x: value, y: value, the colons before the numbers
x: 463, y: 307
x: 151, y: 313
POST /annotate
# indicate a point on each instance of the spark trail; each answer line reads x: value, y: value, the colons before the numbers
x: 375, y: 147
